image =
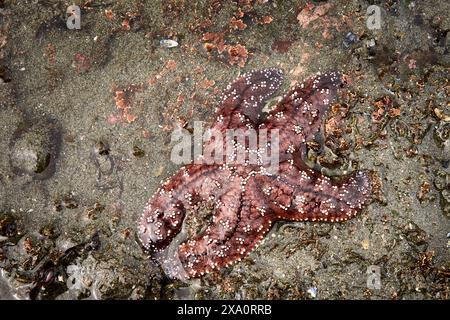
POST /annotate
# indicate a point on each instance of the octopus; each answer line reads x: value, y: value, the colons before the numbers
x: 242, y: 201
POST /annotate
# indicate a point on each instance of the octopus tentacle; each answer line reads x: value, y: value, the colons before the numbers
x: 243, y: 100
x: 240, y: 109
x: 306, y: 195
x: 299, y: 115
x: 163, y: 217
x: 214, y: 249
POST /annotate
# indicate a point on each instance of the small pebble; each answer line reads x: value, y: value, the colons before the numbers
x: 168, y: 43
x: 138, y: 152
x: 101, y: 148
x: 312, y: 292
x: 349, y: 39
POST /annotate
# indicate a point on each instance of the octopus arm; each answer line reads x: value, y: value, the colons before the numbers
x: 305, y: 195
x: 215, y: 247
x: 164, y: 214
x: 244, y: 99
x: 299, y: 115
